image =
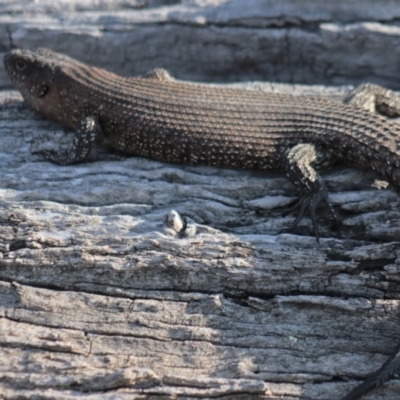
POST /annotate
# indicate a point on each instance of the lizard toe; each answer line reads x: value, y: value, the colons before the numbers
x: 309, y: 203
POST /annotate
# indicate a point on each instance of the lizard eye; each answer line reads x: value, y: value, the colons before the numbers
x: 20, y: 64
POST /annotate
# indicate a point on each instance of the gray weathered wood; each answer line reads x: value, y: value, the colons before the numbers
x: 102, y: 298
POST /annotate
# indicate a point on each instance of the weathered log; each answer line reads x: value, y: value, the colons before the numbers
x: 102, y: 298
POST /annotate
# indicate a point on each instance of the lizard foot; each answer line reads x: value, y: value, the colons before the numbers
x: 84, y: 139
x: 300, y: 165
x: 309, y: 203
x: 375, y: 98
x: 55, y: 157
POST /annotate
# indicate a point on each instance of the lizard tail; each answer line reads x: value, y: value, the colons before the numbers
x: 378, y: 378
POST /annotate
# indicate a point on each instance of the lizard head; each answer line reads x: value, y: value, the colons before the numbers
x: 33, y: 72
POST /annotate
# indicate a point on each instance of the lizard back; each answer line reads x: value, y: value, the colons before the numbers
x: 159, y: 117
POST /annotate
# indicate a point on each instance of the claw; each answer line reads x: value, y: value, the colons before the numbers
x: 310, y: 204
x: 293, y: 206
x: 302, y: 204
x: 331, y: 210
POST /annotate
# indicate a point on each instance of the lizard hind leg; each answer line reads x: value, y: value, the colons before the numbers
x: 375, y: 98
x: 300, y: 164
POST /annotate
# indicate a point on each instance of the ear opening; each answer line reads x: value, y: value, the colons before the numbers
x: 42, y: 90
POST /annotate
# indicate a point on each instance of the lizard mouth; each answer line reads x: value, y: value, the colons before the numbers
x: 6, y: 61
x: 8, y: 65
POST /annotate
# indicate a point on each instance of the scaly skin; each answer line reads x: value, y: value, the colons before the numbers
x: 161, y: 118
x: 158, y: 117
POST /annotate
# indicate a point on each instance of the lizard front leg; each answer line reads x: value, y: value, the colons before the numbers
x: 375, y: 98
x: 84, y: 139
x: 300, y: 164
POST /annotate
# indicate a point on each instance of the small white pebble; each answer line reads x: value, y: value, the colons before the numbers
x: 174, y: 220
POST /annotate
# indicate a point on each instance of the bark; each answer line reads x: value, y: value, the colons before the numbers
x: 101, y: 297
